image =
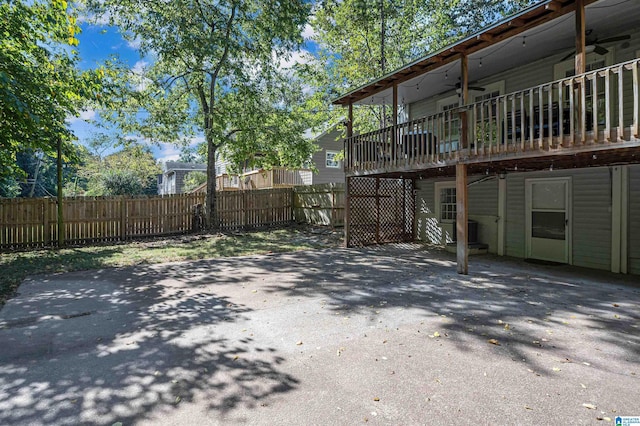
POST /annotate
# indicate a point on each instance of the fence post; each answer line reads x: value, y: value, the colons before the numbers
x: 45, y: 222
x: 123, y: 218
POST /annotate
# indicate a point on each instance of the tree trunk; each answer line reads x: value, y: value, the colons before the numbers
x: 213, y: 223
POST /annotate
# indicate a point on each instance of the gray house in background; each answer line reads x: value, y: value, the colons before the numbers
x: 171, y: 181
x: 330, y: 145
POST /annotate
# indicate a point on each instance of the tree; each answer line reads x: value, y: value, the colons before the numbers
x: 360, y: 40
x: 192, y: 180
x: 213, y: 60
x: 131, y: 171
x: 40, y: 85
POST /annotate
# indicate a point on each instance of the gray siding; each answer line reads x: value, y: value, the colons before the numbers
x: 483, y: 208
x: 327, y: 141
x: 591, y: 230
x: 634, y: 220
x: 590, y: 221
x: 515, y: 224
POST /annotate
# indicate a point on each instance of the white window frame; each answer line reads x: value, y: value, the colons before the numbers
x: 331, y: 163
x: 439, y: 186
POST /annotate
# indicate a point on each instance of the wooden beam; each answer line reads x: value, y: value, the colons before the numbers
x: 462, y: 219
x: 464, y: 80
x: 485, y: 37
x: 350, y: 121
x: 580, y: 37
x: 554, y: 6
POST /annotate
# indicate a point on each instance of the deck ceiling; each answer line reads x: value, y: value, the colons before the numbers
x: 548, y: 29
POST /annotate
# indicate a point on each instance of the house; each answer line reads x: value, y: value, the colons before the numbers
x: 330, y: 168
x: 523, y: 136
x: 171, y: 181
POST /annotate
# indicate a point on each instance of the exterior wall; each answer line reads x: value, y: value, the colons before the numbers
x: 634, y: 220
x: 173, y: 176
x: 590, y: 220
x: 483, y: 208
x: 330, y: 141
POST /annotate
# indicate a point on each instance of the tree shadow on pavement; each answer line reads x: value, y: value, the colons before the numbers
x: 123, y: 345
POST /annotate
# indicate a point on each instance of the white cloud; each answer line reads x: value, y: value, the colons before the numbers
x: 170, y: 152
x: 135, y: 43
x: 308, y: 33
x: 297, y: 57
x: 138, y: 70
x: 85, y: 115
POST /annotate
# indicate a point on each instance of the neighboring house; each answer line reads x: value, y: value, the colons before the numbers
x: 512, y: 129
x: 171, y: 181
x: 330, y: 168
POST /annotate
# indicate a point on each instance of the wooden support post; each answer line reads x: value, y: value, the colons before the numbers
x: 347, y: 184
x: 462, y: 219
x: 580, y: 38
x: 464, y: 80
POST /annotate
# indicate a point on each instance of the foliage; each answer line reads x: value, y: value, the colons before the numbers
x: 40, y: 85
x: 213, y: 63
x: 361, y: 40
x: 130, y: 171
x: 192, y: 180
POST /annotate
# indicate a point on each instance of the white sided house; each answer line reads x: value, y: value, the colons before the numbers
x: 523, y: 138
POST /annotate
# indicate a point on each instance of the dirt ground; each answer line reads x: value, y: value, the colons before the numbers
x: 380, y: 335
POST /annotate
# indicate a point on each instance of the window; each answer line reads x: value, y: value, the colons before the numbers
x: 593, y: 62
x: 446, y: 201
x: 331, y: 161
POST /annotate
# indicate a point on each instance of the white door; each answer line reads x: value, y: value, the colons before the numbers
x: 548, y: 213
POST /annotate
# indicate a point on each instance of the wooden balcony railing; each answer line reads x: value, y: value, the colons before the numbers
x: 275, y: 178
x: 227, y: 182
x: 598, y: 108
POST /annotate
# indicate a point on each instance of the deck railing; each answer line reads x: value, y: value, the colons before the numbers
x: 597, y: 108
x: 277, y: 177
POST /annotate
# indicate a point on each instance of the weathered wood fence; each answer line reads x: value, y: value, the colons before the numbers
x: 321, y: 204
x: 32, y: 222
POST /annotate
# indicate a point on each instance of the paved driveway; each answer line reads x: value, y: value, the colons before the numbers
x: 388, y: 335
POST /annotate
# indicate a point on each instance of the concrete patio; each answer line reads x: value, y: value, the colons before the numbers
x: 382, y: 335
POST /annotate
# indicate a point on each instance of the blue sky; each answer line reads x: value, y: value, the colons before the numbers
x: 98, y: 43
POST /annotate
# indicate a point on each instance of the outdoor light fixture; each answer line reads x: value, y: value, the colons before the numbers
x: 524, y: 41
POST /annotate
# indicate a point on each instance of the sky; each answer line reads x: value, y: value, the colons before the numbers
x: 98, y: 43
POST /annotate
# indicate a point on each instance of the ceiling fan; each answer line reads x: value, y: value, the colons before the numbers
x: 458, y: 87
x: 594, y: 45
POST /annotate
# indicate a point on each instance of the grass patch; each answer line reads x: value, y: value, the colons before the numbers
x: 17, y: 266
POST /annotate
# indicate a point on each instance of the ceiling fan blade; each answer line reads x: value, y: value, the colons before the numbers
x: 573, y: 52
x: 600, y: 50
x: 477, y: 88
x: 612, y: 39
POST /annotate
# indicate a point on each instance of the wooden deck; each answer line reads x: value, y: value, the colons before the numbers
x: 596, y: 112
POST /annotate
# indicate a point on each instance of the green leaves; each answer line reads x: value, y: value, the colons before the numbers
x: 40, y: 85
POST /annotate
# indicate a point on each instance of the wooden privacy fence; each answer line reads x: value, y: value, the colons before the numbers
x: 32, y: 222
x: 321, y: 204
x: 250, y: 209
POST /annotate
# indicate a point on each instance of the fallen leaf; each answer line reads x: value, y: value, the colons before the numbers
x: 436, y: 334
x: 589, y: 406
x: 583, y: 385
x: 526, y: 407
x: 586, y: 363
x: 494, y: 342
x: 376, y: 399
x: 235, y: 357
x: 615, y: 305
x: 507, y: 327
x: 299, y: 342
x: 178, y: 399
